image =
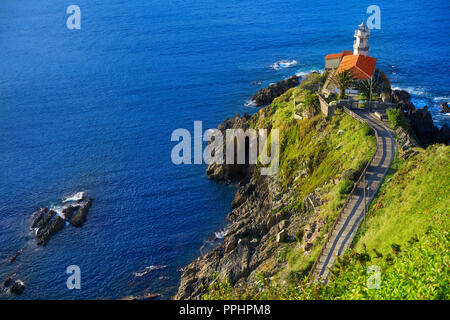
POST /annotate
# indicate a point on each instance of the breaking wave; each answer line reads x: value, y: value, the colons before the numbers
x: 75, y: 197
x: 221, y: 234
x: 250, y: 103
x: 412, y: 90
x: 281, y: 64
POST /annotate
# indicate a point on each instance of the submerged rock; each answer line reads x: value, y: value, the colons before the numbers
x: 14, y: 257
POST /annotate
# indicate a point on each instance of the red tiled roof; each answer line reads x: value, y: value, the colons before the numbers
x: 338, y: 55
x: 361, y: 66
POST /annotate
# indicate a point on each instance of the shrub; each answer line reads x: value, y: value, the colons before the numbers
x: 294, y: 277
x: 345, y: 186
x: 395, y: 117
x: 367, y: 130
x: 299, y: 235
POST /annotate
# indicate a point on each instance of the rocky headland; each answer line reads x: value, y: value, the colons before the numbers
x: 265, y: 96
x: 269, y: 218
x: 421, y: 121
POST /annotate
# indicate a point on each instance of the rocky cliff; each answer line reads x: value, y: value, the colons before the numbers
x: 420, y: 120
x: 265, y: 96
x: 283, y: 215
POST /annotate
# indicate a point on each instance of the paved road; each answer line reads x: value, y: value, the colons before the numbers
x: 353, y: 214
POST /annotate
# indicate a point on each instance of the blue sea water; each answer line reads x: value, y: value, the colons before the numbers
x: 93, y: 110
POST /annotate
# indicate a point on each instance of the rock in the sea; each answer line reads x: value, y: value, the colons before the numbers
x: 265, y: 96
x: 38, y: 216
x: 445, y: 107
x: 80, y: 217
x: 7, y: 282
x: 69, y: 211
x: 45, y: 220
x: 55, y: 226
x: 18, y: 287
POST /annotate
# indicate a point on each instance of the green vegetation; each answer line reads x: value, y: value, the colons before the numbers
x: 406, y: 235
x: 313, y: 81
x: 314, y: 154
x: 369, y: 86
x: 395, y: 118
x: 406, y: 238
x: 343, y: 80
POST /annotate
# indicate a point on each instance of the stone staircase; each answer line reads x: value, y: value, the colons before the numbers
x: 352, y: 214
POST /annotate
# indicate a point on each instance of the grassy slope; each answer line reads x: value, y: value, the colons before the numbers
x: 406, y: 235
x: 407, y: 238
x: 313, y: 153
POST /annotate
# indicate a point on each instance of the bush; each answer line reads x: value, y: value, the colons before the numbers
x: 359, y: 168
x: 367, y: 130
x: 294, y: 277
x: 299, y: 235
x: 362, y: 96
x: 345, y: 187
x: 395, y: 117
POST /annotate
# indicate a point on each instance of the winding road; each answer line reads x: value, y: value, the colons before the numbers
x: 352, y: 214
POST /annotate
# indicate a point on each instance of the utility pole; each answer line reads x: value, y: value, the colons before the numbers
x: 370, y: 95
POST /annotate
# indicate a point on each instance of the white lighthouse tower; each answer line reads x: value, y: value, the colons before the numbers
x: 361, y: 44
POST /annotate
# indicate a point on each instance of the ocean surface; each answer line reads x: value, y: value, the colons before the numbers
x: 93, y: 110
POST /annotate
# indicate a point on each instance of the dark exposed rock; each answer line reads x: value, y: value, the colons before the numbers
x: 45, y: 220
x: 38, y: 216
x: 224, y: 172
x: 444, y: 135
x: 69, y: 211
x: 55, y: 226
x: 80, y: 217
x: 423, y: 126
x: 18, y: 287
x: 445, y: 107
x: 265, y: 96
x: 48, y: 222
x: 420, y: 120
x: 7, y: 282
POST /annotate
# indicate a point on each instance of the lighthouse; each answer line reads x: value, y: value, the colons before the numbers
x: 361, y: 44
